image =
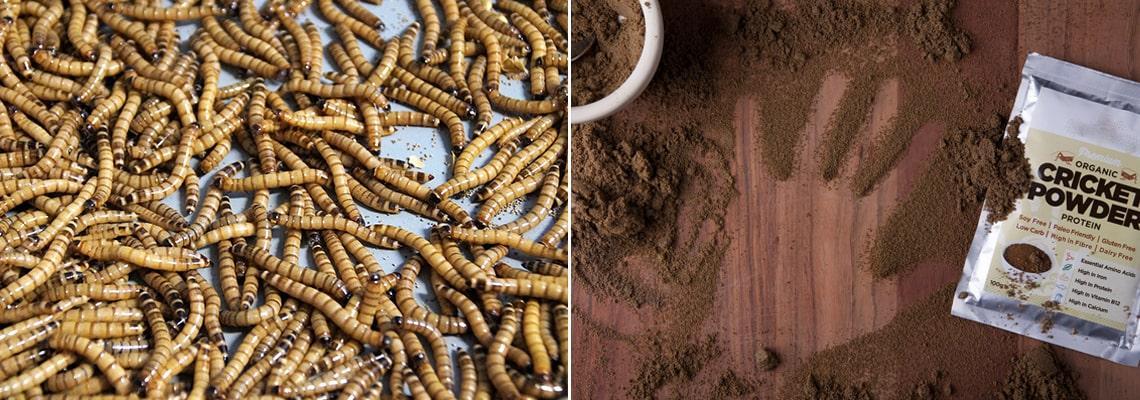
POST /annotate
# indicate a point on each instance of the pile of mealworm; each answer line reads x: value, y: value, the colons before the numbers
x: 108, y: 113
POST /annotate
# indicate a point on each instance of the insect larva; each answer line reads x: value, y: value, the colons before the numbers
x: 290, y: 361
x: 515, y: 164
x: 514, y: 240
x: 409, y: 307
x: 547, y: 196
x: 332, y: 222
x: 524, y: 288
x: 387, y: 63
x: 415, y: 387
x: 301, y: 38
x: 429, y: 90
x: 327, y: 306
x: 537, y: 42
x: 467, y: 375
x: 493, y: 52
x: 431, y: 24
x: 496, y: 21
x: 201, y: 377
x: 507, y: 271
x: 94, y: 291
x: 362, y: 380
x: 314, y: 122
x: 557, y: 231
x: 317, y: 54
x: 321, y: 329
x: 161, y: 386
x: 40, y: 308
x: 456, y: 131
x: 537, y: 20
x: 483, y: 110
x: 227, y: 56
x: 499, y: 199
x: 339, y: 179
x: 36, y: 375
x: 261, y: 48
x: 220, y: 382
x: 362, y: 91
x: 361, y: 29
x: 305, y: 276
x: 341, y: 262
x: 343, y: 60
x: 43, y: 25
x: 540, y: 358
x: 156, y: 14
x: 272, y: 181
x: 175, y: 260
x: 93, y: 352
x: 526, y: 107
x: 12, y: 365
x: 545, y: 268
x: 496, y: 354
x: 101, y: 330
x: 473, y: 179
x: 536, y: 388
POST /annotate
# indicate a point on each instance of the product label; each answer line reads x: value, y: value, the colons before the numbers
x: 1071, y: 245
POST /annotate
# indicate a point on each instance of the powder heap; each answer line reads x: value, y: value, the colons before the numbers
x: 631, y: 171
x: 670, y: 363
x: 618, y: 30
x: 970, y: 165
x: 924, y: 352
x: 1039, y: 374
x: 732, y: 386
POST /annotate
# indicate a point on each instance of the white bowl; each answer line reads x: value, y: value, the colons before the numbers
x: 639, y: 79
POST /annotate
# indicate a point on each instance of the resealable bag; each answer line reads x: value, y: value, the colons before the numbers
x: 1063, y: 267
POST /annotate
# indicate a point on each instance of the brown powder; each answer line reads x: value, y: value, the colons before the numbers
x: 1028, y: 258
x: 670, y: 363
x: 732, y: 386
x: 924, y: 352
x: 860, y: 40
x: 631, y: 171
x: 679, y: 136
x: 968, y: 167
x: 1040, y: 374
x: 618, y: 30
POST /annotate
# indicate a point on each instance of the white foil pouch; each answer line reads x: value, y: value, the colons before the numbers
x: 1063, y: 267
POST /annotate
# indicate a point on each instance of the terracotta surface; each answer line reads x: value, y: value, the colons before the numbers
x: 775, y: 294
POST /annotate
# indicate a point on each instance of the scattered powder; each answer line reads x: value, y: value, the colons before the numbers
x: 631, y: 171
x: 673, y: 145
x: 618, y: 30
x: 1040, y: 374
x: 970, y: 165
x: 924, y: 352
x: 670, y: 363
x: 870, y: 43
x: 731, y: 386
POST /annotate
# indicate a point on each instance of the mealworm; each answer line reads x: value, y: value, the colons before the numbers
x: 496, y: 354
x: 361, y: 29
x: 175, y: 260
x: 540, y: 358
x: 327, y: 306
x: 272, y: 180
x: 545, y: 268
x: 514, y: 240
x: 93, y: 352
x: 410, y: 308
x: 309, y: 277
x: 557, y: 231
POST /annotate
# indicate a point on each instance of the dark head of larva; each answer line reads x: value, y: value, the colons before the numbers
x: 375, y: 277
x: 274, y: 217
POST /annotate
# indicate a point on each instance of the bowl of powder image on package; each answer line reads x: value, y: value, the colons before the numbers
x: 1064, y: 267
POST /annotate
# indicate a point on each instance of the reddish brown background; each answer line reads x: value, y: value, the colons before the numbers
x: 799, y: 302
